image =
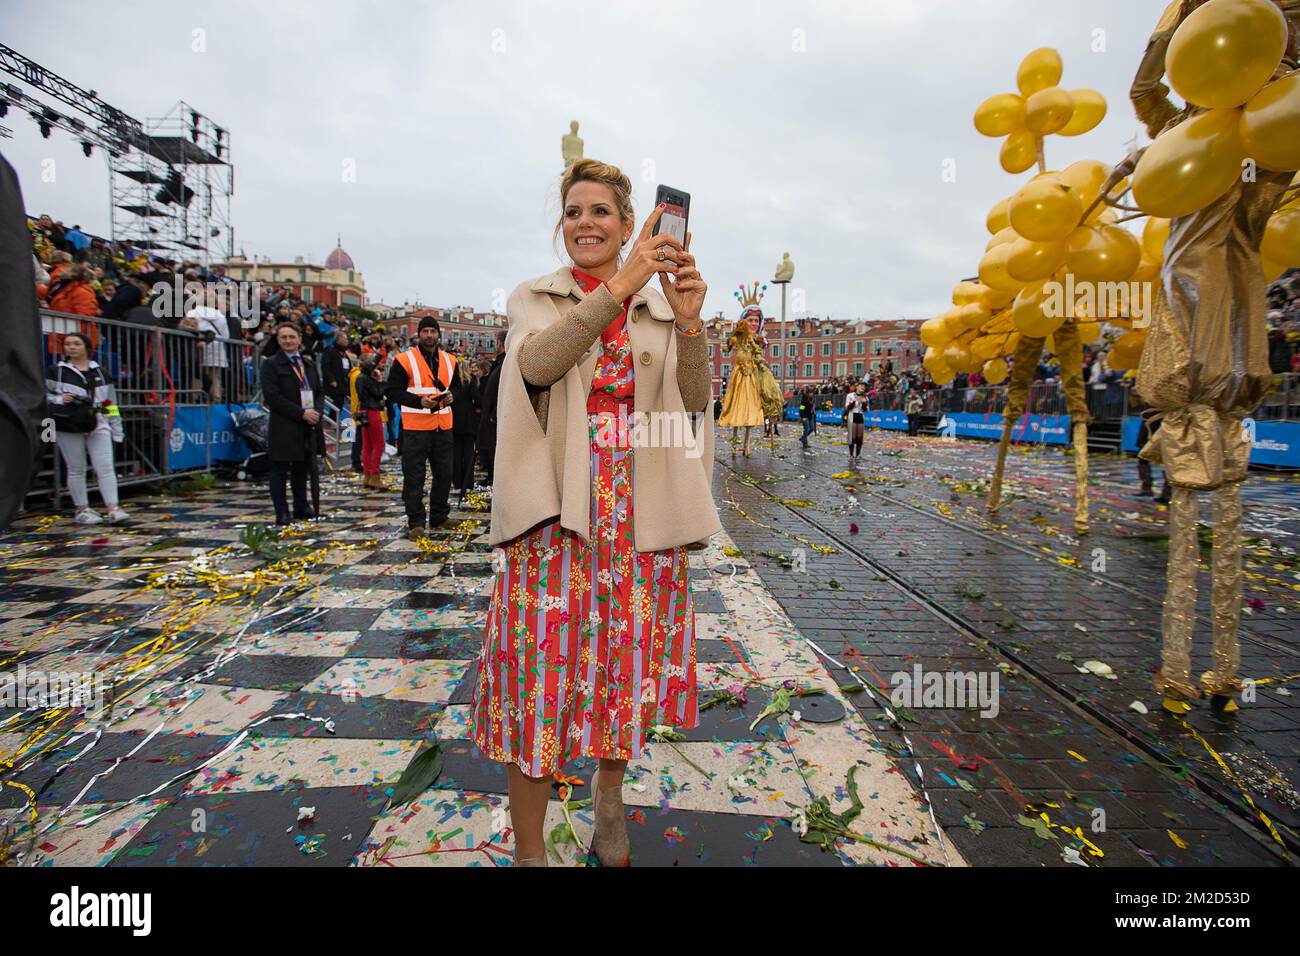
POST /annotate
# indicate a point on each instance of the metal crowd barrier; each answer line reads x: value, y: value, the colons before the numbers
x: 1108, y: 402
x: 154, y: 371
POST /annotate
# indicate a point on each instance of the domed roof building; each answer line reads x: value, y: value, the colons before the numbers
x: 339, y: 258
x: 337, y: 282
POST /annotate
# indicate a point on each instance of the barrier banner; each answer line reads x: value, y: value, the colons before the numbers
x: 1271, y: 443
x: 1275, y: 443
x: 1038, y: 429
x: 896, y: 421
x: 193, y: 430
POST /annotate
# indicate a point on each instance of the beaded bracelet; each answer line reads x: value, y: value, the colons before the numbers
x: 695, y: 331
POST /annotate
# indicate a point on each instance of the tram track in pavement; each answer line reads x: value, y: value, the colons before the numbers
x: 1211, y: 788
x: 1103, y: 579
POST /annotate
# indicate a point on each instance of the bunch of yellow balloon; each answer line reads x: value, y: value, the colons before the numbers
x: 1220, y: 60
x: 1055, y: 231
x: 1042, y: 107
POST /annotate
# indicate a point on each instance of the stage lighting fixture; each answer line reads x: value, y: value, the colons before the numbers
x: 86, y: 148
x: 4, y: 107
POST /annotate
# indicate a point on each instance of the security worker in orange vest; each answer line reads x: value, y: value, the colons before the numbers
x: 420, y: 381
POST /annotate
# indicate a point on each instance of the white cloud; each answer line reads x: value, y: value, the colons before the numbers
x: 833, y: 153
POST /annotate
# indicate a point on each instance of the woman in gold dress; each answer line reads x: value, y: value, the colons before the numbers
x: 742, y: 404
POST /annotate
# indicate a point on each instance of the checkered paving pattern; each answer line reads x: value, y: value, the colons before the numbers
x: 260, y: 712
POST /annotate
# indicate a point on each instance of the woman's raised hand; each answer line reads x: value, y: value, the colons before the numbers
x: 650, y: 254
x: 685, y: 292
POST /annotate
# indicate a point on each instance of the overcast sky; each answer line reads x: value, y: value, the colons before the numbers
x: 817, y: 128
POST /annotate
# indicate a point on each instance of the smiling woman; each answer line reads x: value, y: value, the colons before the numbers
x: 590, y: 633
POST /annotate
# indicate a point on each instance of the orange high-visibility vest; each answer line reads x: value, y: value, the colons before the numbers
x: 421, y: 382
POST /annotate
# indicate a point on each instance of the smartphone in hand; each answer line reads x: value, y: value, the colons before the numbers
x: 676, y: 214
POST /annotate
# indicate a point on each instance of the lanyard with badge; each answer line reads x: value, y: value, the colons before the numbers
x: 304, y: 392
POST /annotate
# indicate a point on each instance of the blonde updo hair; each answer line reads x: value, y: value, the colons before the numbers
x: 594, y: 171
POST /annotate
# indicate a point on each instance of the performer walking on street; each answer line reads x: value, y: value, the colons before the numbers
x: 420, y: 382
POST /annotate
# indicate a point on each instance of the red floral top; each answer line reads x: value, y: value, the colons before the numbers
x: 612, y: 384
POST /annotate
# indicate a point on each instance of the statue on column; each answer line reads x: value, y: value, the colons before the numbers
x: 785, y: 271
x: 571, y: 145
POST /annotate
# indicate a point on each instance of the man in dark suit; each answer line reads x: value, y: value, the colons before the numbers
x: 291, y: 391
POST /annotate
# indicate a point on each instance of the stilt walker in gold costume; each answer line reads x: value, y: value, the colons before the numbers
x: 1204, y: 368
x: 1069, y: 352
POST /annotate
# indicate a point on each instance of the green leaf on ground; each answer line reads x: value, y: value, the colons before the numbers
x: 419, y: 775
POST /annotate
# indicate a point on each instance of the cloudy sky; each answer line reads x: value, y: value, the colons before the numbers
x: 823, y: 129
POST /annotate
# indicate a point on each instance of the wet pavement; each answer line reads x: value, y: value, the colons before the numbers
x: 266, y: 693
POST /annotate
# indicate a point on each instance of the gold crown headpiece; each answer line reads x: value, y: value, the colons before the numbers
x: 749, y: 297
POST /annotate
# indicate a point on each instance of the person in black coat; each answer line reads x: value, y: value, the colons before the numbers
x: 335, y: 363
x: 22, y: 387
x: 128, y: 296
x: 487, y: 425
x: 291, y: 391
x: 466, y: 406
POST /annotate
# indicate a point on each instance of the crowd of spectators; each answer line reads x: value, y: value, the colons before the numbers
x: 232, y: 323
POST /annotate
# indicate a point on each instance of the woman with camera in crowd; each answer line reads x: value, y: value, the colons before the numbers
x: 86, y: 422
x: 590, y: 635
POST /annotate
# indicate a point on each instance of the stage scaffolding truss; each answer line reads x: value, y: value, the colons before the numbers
x: 172, y: 188
x: 171, y: 179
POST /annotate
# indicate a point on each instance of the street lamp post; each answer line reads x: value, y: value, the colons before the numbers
x: 782, y: 283
x: 784, y: 273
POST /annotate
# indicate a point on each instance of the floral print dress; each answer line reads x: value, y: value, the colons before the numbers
x: 589, y: 644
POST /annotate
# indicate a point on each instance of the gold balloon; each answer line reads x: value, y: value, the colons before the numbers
x: 995, y: 371
x: 997, y: 219
x: 1102, y: 254
x: 1045, y: 210
x: 956, y: 356
x: 1019, y: 151
x: 993, y: 269
x: 1271, y: 269
x: 1003, y: 235
x: 1121, y: 359
x: 1154, y: 236
x: 1191, y: 165
x: 987, y: 346
x: 1222, y: 54
x: 1029, y: 261
x: 1048, y: 111
x: 952, y: 324
x: 1032, y: 306
x: 1089, y: 332
x: 1086, y: 177
x: 1000, y: 298
x: 942, y: 375
x: 935, y: 333
x: 1282, y: 238
x: 1039, y: 69
x: 1000, y: 114
x: 935, y: 365
x: 1270, y: 124
x: 973, y: 315
x: 964, y: 292
x: 1089, y: 110
x: 1148, y: 270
